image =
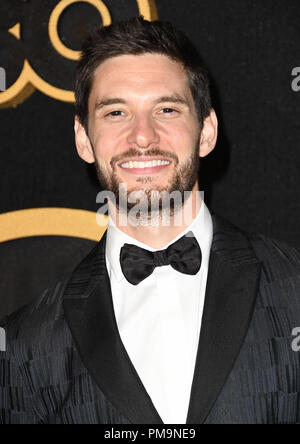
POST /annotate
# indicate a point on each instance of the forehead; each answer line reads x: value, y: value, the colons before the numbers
x: 146, y: 74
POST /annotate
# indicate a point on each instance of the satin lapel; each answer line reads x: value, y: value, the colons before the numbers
x: 231, y: 291
x: 90, y: 315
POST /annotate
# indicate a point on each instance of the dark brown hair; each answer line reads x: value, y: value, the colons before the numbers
x: 137, y: 36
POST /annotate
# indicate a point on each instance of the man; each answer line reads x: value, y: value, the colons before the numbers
x: 176, y: 316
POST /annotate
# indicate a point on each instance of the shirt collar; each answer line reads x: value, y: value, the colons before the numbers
x: 201, y: 226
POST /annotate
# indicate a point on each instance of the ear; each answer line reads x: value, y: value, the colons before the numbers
x: 209, y: 134
x: 83, y: 144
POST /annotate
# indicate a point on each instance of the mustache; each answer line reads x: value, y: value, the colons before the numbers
x: 134, y: 152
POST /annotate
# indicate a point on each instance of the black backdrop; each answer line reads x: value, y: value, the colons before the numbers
x: 252, y: 178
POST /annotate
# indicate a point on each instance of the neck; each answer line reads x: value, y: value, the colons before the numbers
x: 159, y: 231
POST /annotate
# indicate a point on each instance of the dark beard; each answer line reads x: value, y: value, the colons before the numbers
x: 182, y: 181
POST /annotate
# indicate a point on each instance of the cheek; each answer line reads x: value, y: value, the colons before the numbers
x: 104, y: 148
x: 181, y: 137
x: 180, y: 129
x: 108, y: 141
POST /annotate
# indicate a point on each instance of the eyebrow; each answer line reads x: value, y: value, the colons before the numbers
x: 109, y: 101
x: 173, y: 98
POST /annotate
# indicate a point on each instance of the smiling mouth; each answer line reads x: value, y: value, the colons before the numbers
x: 144, y: 164
x: 143, y: 167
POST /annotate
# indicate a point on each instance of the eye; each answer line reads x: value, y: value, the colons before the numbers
x: 168, y: 111
x: 116, y: 113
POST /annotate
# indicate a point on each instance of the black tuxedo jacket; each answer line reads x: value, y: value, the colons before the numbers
x: 65, y: 361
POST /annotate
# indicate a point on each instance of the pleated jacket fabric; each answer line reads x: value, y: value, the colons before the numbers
x: 65, y: 362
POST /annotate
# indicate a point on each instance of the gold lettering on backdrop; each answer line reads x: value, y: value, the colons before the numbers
x: 16, y: 31
x: 29, y: 80
x: 54, y: 19
x: 52, y: 222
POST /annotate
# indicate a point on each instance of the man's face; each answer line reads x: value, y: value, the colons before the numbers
x: 141, y: 110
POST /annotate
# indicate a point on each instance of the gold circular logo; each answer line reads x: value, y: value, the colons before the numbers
x: 52, y: 222
x: 29, y: 80
x: 54, y: 19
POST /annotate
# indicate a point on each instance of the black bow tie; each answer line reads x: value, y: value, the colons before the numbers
x: 183, y: 255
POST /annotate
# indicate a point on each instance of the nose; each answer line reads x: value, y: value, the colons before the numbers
x: 143, y: 132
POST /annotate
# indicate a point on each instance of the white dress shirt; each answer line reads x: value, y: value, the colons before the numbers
x: 159, y: 319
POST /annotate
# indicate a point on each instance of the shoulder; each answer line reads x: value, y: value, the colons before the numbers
x: 42, y: 324
x: 33, y: 324
x: 279, y: 259
x: 279, y: 291
x: 279, y: 265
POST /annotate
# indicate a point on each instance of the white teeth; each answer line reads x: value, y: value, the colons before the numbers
x: 151, y: 163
